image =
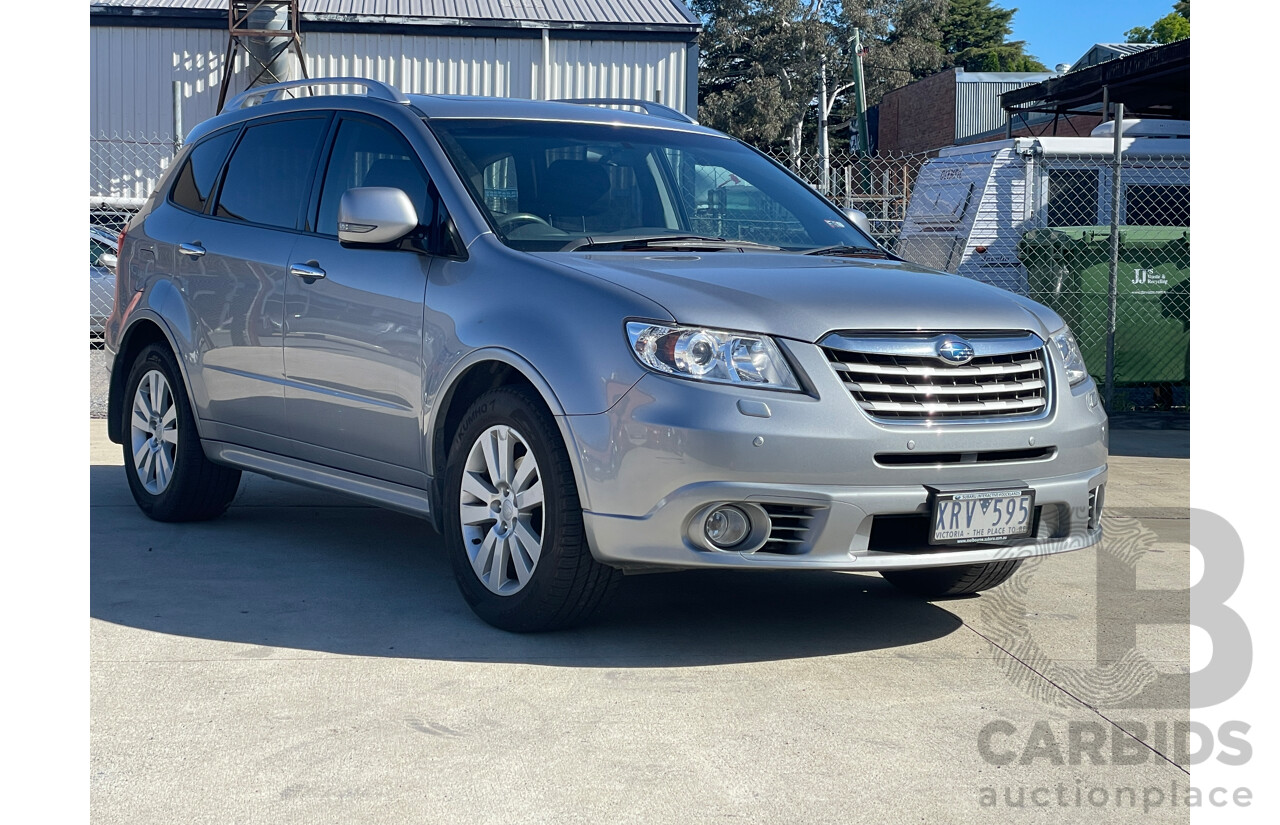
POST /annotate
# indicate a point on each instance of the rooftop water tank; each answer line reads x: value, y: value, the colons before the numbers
x: 272, y: 52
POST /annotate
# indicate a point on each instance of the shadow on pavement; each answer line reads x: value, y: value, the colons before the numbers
x: 1151, y: 434
x: 363, y: 581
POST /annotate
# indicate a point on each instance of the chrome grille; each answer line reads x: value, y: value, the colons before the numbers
x: 902, y: 378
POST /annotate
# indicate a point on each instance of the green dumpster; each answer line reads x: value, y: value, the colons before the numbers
x: 1068, y: 270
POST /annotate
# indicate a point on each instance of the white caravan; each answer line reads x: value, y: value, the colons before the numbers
x: 971, y: 205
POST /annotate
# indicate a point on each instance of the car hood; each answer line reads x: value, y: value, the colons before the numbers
x: 805, y: 297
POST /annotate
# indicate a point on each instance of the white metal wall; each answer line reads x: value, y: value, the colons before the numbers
x: 428, y: 65
x: 132, y: 70
x: 978, y: 109
x: 592, y: 68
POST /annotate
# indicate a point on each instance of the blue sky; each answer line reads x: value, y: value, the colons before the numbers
x: 1060, y: 31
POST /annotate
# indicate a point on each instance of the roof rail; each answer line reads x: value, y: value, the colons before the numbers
x: 648, y: 107
x: 264, y: 94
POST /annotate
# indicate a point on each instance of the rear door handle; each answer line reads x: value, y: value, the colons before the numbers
x: 307, y: 272
x: 191, y: 250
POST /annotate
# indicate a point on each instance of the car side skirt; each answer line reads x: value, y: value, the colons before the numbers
x: 397, y: 497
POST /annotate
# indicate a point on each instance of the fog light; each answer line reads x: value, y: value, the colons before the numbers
x: 726, y: 527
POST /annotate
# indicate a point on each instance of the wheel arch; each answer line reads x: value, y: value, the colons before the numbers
x: 474, y: 375
x: 143, y: 332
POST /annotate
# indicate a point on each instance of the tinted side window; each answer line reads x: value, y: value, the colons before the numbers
x: 269, y: 175
x: 195, y: 182
x: 370, y: 154
x: 449, y: 244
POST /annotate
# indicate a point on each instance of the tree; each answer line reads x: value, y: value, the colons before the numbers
x: 778, y: 70
x: 902, y: 40
x: 973, y: 36
x: 1176, y: 25
x: 761, y: 67
x: 765, y: 62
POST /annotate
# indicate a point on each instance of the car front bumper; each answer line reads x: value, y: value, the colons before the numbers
x: 651, y: 467
x: 842, y: 528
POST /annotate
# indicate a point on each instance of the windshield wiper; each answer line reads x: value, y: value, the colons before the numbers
x: 850, y: 252
x: 625, y: 243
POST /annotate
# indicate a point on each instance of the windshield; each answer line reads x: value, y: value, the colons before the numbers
x: 549, y: 186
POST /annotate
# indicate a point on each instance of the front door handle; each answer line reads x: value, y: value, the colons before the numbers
x: 310, y: 271
x: 191, y: 250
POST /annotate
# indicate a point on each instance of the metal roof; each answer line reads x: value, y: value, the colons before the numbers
x: 1102, y: 52
x: 1002, y: 77
x: 652, y: 12
x: 1153, y: 82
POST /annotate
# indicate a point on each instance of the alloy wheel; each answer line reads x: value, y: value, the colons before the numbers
x: 153, y: 429
x: 501, y: 508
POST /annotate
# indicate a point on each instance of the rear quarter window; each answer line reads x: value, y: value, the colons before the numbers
x: 195, y: 182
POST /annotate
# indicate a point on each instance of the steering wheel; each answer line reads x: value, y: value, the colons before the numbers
x: 517, y: 219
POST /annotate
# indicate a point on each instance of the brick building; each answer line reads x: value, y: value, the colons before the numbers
x: 956, y: 107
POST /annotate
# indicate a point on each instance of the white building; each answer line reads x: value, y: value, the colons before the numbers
x: 540, y: 49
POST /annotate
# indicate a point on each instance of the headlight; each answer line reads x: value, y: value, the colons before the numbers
x: 1072, y: 358
x: 711, y: 355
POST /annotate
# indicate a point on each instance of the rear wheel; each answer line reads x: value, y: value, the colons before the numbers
x: 959, y: 580
x: 513, y: 520
x: 169, y: 475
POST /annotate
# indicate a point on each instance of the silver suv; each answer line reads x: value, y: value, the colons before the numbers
x: 583, y: 340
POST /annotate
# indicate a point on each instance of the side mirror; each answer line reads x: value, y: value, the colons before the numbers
x: 375, y: 215
x: 859, y: 219
x: 107, y: 260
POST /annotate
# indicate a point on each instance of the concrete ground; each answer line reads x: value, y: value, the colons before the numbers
x: 306, y: 659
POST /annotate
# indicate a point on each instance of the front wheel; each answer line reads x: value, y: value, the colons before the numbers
x: 958, y: 580
x: 513, y: 520
x: 169, y: 475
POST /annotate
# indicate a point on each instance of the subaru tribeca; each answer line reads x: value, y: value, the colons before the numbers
x: 583, y: 340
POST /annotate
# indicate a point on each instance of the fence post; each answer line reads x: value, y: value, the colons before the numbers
x: 884, y: 196
x: 1114, y: 271
x: 177, y: 116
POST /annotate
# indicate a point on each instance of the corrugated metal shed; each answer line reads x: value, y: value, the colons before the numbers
x: 978, y: 108
x: 647, y: 12
x: 644, y: 49
x: 505, y: 67
x: 132, y: 70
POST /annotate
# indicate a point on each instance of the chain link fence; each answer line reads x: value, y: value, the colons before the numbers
x: 1033, y: 221
x: 1135, y: 336
x: 123, y: 169
x: 877, y: 185
x: 1036, y: 219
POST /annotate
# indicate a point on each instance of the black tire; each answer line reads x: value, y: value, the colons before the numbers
x: 959, y: 580
x: 192, y: 488
x: 566, y: 586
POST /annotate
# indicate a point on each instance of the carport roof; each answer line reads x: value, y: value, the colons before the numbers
x: 1155, y: 82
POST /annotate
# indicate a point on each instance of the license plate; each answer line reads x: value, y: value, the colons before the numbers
x: 964, y: 516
